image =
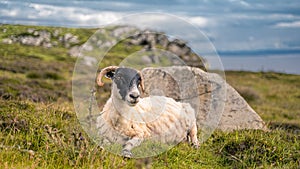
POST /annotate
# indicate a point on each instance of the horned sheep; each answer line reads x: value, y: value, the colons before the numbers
x: 143, y: 118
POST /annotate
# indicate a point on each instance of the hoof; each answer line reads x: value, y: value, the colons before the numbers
x: 195, y: 146
x: 126, y: 154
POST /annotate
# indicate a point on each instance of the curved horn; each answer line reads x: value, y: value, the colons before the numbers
x: 103, y: 72
x: 142, y: 81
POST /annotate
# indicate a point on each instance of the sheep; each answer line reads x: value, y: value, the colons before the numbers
x: 139, y: 118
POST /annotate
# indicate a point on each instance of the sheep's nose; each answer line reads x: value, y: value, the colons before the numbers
x: 134, y: 95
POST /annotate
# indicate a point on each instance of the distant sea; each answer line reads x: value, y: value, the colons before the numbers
x: 277, y: 63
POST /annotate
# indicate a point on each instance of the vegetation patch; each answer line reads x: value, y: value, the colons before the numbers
x: 44, y: 75
x: 248, y: 94
x: 254, y: 152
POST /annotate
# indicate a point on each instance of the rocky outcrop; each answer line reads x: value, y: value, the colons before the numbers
x: 151, y: 40
x: 218, y: 105
x: 106, y: 38
x: 43, y: 38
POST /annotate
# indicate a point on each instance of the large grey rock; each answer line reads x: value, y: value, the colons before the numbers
x: 218, y: 105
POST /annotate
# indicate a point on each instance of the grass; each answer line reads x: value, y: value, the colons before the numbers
x: 274, y: 96
x: 39, y: 128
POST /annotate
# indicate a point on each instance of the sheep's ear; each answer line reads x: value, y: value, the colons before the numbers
x: 142, y: 82
x: 110, y: 75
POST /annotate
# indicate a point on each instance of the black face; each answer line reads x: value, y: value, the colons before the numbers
x: 126, y: 79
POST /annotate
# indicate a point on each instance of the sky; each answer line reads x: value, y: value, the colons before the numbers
x: 247, y: 34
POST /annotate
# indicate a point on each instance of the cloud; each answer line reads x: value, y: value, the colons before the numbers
x: 82, y: 16
x: 295, y: 24
x: 74, y: 15
x: 265, y: 17
x: 240, y: 2
x: 198, y: 21
x: 10, y: 13
x: 4, y: 2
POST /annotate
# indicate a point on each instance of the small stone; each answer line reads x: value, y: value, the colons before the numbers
x: 54, y: 43
x: 7, y: 41
x: 67, y: 36
x: 56, y: 33
x: 73, y: 39
x: 74, y: 51
x: 47, y: 45
x: 30, y: 30
x: 36, y: 33
x: 146, y: 60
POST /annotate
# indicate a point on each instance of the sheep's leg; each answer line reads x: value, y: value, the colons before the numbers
x: 129, y: 145
x: 193, y: 136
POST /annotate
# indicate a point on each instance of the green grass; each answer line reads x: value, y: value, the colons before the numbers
x: 39, y: 128
x: 48, y: 135
x: 276, y: 96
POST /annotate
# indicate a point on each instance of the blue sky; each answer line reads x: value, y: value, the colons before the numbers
x: 237, y: 28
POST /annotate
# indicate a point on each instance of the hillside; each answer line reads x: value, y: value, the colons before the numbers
x: 39, y: 128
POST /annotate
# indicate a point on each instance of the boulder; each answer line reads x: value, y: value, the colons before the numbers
x: 218, y: 105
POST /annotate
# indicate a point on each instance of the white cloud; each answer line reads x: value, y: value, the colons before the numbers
x: 10, y: 13
x: 272, y: 16
x: 82, y: 16
x: 198, y: 21
x: 122, y: 4
x: 295, y: 24
x: 244, y: 3
x: 75, y: 15
x: 4, y: 2
x: 241, y: 2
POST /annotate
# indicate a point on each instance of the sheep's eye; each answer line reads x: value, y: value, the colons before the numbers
x: 110, y: 75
